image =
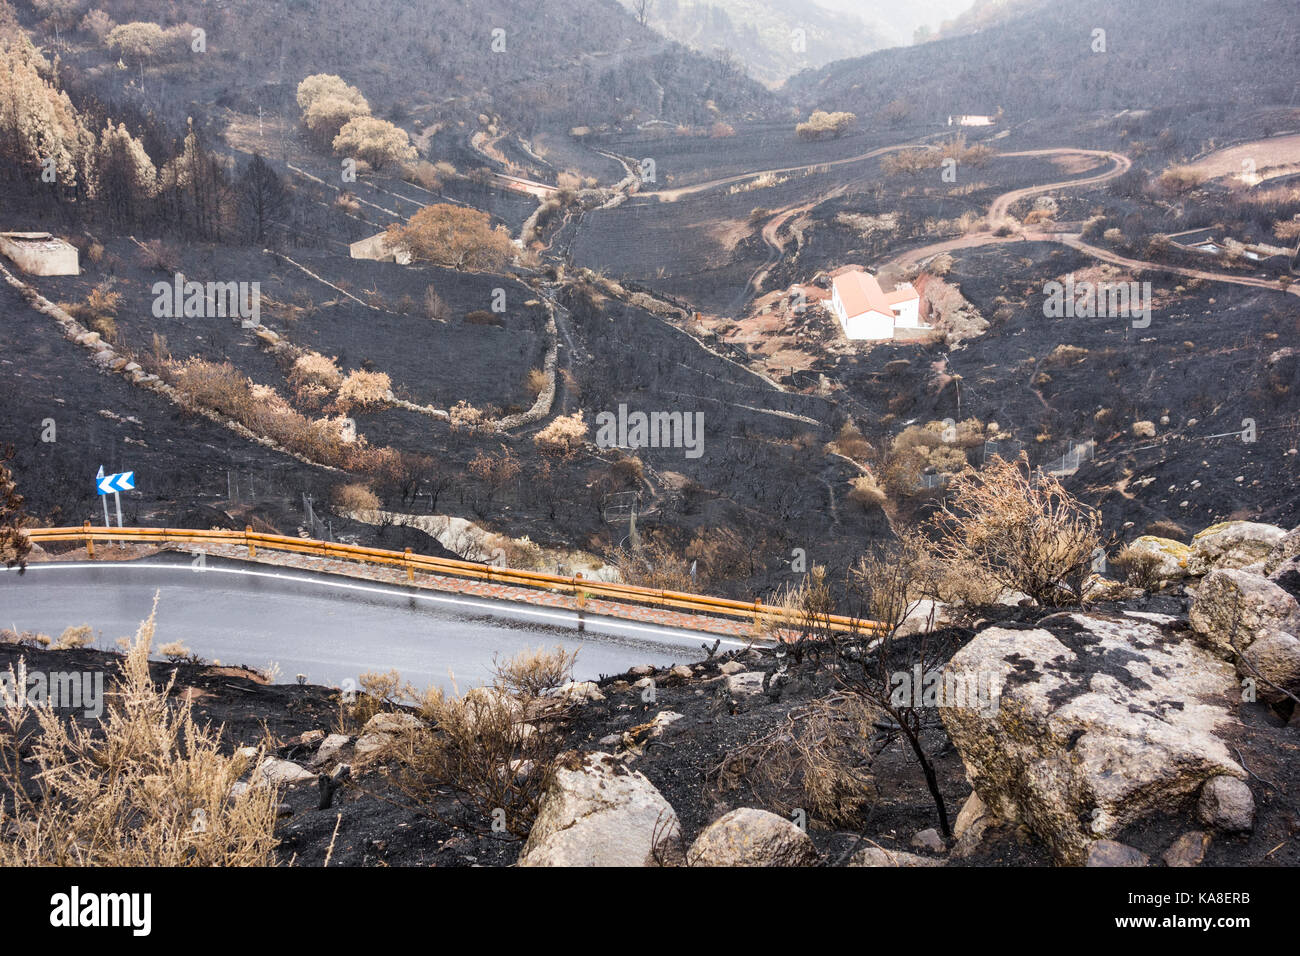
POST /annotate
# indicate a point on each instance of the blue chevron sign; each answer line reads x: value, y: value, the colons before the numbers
x: 111, y: 484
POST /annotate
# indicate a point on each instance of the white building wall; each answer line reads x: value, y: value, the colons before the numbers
x: 870, y: 325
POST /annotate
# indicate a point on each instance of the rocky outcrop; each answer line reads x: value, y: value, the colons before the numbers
x: 1098, y: 722
x: 1232, y: 544
x: 1235, y: 607
x: 597, y: 812
x: 749, y: 837
x: 1254, y: 622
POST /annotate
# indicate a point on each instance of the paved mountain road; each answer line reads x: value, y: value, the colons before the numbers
x: 326, y: 627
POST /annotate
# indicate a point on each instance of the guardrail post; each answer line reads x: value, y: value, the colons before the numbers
x: 252, y: 548
x: 579, y: 594
x: 757, y: 615
x: 90, y: 542
x: 410, y: 571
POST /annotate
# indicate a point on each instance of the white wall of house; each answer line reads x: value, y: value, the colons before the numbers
x: 870, y: 325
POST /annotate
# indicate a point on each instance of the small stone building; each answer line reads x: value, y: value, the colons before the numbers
x: 376, y: 247
x: 40, y: 254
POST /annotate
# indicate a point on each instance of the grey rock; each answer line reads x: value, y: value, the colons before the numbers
x: 1226, y: 804
x: 750, y: 837
x: 1113, y: 853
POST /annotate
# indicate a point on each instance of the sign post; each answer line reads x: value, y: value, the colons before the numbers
x: 113, y: 485
x: 102, y: 497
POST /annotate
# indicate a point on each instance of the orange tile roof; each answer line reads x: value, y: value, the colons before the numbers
x: 861, y: 293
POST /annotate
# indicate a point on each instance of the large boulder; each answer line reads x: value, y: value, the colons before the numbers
x: 597, y: 812
x: 749, y: 837
x: 1098, y: 723
x: 1172, y: 556
x: 1235, y: 607
x: 1232, y: 544
x: 1275, y: 658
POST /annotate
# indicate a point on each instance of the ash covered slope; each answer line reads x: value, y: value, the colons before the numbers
x: 577, y: 61
x: 1040, y: 60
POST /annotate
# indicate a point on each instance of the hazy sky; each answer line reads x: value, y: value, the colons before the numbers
x: 899, y: 18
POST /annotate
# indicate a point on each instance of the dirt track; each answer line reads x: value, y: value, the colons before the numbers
x: 998, y: 213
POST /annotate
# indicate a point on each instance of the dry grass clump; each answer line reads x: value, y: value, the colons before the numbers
x: 355, y: 497
x: 535, y: 382
x: 362, y: 389
x: 535, y: 672
x: 1141, y: 568
x: 564, y: 437
x: 1026, y: 532
x: 866, y: 491
x: 312, y: 368
x: 1180, y: 180
x: 74, y: 637
x: 655, y: 564
x: 145, y: 787
x: 822, y: 124
x: 494, y: 748
x: 818, y: 759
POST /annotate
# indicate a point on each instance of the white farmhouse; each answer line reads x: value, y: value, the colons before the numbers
x: 866, y: 311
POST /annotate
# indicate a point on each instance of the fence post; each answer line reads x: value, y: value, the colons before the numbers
x: 410, y: 571
x: 252, y: 548
x: 757, y: 615
x: 90, y: 542
x: 579, y: 594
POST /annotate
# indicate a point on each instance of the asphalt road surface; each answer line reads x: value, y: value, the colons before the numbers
x: 328, y: 627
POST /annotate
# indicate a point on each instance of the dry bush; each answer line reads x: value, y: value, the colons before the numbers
x: 15, y: 545
x: 313, y: 368
x: 75, y: 637
x: 465, y: 417
x: 656, y: 564
x: 1164, y: 528
x: 1179, y: 180
x: 536, y: 672
x: 177, y: 653
x: 1141, y: 569
x: 424, y: 173
x: 494, y: 748
x: 867, y: 492
x: 818, y: 759
x: 564, y: 437
x: 434, y: 307
x: 355, y: 497
x: 146, y: 786
x: 484, y: 317
x: 822, y: 124
x: 362, y: 389
x: 379, y: 692
x: 850, y: 443
x: 535, y: 382
x: 1026, y: 532
x: 154, y: 254
x: 626, y: 472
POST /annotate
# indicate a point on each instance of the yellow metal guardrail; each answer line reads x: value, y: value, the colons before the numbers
x: 581, y: 588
